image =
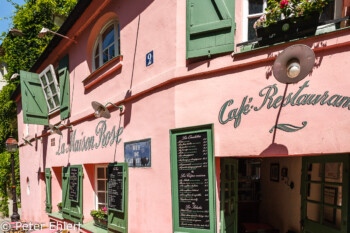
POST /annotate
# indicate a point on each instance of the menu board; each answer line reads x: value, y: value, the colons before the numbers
x: 115, y: 187
x: 73, y: 183
x: 193, y: 184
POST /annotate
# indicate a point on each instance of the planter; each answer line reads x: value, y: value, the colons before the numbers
x: 288, y: 29
x: 102, y: 223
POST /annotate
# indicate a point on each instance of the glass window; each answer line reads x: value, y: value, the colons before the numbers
x: 101, y: 186
x: 107, y: 45
x: 253, y: 10
x: 50, y: 87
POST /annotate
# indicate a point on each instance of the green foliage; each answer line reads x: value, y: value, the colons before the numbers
x: 100, y: 214
x: 20, y: 53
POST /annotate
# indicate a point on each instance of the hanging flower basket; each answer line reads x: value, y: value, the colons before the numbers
x: 288, y: 29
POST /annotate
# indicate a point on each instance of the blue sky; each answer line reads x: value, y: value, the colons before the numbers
x: 6, y: 10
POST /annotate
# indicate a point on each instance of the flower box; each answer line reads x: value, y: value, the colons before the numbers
x: 288, y: 29
x: 102, y: 223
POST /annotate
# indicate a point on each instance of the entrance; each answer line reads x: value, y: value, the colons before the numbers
x: 324, y: 193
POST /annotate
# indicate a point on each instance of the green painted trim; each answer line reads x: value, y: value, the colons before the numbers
x: 118, y: 220
x: 63, y: 73
x: 57, y: 215
x: 92, y: 228
x: 208, y: 129
x: 48, y: 189
x: 309, y: 226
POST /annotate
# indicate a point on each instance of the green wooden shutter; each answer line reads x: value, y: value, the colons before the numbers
x: 118, y: 219
x: 33, y: 100
x: 71, y: 209
x: 210, y: 27
x: 63, y: 73
x: 48, y: 190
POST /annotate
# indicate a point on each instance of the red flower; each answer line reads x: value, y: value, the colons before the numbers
x: 284, y: 3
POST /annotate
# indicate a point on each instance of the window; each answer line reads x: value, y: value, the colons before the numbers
x: 50, y: 87
x: 107, y: 45
x: 41, y: 94
x: 101, y: 186
x: 332, y: 10
x: 253, y: 9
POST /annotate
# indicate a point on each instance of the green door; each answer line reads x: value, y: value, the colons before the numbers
x: 228, y: 195
x: 324, y: 194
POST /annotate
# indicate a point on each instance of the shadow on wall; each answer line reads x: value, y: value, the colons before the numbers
x: 275, y: 149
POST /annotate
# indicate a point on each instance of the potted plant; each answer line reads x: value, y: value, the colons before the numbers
x: 100, y: 217
x: 59, y: 205
x: 288, y: 19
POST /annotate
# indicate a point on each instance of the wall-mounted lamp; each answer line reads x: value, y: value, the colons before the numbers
x: 44, y: 31
x: 101, y: 110
x: 55, y: 128
x: 14, y: 76
x: 27, y: 141
x: 16, y: 32
x: 293, y: 64
x: 284, y: 176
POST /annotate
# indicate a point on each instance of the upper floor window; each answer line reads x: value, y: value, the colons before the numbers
x: 107, y: 45
x: 50, y: 87
x: 253, y: 10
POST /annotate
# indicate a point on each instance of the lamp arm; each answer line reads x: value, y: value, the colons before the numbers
x: 120, y: 107
x: 62, y: 36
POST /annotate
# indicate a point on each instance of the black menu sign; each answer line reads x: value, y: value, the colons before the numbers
x: 115, y: 187
x: 73, y: 183
x: 193, y: 184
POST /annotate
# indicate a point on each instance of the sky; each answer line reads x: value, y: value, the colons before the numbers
x: 6, y: 10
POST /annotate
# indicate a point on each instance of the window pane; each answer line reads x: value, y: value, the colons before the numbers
x: 49, y: 76
x: 57, y: 101
x: 332, y: 217
x: 333, y: 172
x: 333, y: 195
x: 315, y: 192
x: 97, y: 62
x: 101, y: 173
x: 255, y: 6
x: 251, y: 30
x: 101, y: 197
x: 108, y: 37
x: 97, y: 51
x: 105, y: 56
x: 328, y: 11
x: 47, y: 92
x: 313, y: 212
x: 101, y: 185
x: 111, y: 52
x: 314, y: 171
x: 101, y: 206
x: 43, y: 80
x: 53, y: 88
x: 51, y: 105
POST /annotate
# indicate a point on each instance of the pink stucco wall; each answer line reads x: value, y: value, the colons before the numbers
x: 160, y: 26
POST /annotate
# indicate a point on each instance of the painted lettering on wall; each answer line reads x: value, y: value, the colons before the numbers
x: 272, y: 100
x: 102, y: 138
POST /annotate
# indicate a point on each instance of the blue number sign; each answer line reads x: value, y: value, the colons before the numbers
x: 138, y: 153
x: 149, y: 58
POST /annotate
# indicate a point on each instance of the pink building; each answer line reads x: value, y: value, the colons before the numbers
x: 199, y: 136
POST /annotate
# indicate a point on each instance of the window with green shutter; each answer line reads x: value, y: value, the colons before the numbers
x: 117, y: 197
x: 48, y: 200
x: 72, y: 193
x: 41, y: 94
x: 210, y: 27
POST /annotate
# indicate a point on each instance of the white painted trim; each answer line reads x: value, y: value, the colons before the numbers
x: 95, y: 177
x: 43, y: 73
x: 246, y: 16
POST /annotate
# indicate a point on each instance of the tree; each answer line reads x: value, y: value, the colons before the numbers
x: 20, y: 53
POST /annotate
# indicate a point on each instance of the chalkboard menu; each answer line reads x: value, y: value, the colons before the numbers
x: 115, y: 187
x: 73, y: 183
x: 193, y: 185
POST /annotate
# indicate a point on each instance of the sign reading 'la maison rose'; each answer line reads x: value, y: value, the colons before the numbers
x: 102, y: 138
x: 272, y: 100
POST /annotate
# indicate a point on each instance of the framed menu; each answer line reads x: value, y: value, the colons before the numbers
x: 192, y: 181
x: 73, y: 183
